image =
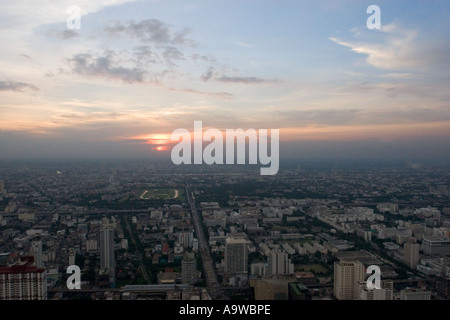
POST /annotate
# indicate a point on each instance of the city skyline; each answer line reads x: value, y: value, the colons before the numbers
x: 158, y: 232
x: 135, y: 71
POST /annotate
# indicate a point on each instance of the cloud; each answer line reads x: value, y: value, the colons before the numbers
x: 409, y: 115
x: 16, y: 86
x: 27, y: 57
x: 105, y: 66
x: 389, y: 89
x: 398, y: 48
x: 358, y: 117
x: 145, y: 55
x: 21, y: 13
x: 244, y: 44
x: 62, y: 35
x: 71, y: 119
x: 329, y: 117
x: 225, y: 95
x: 208, y: 74
x: 172, y: 53
x: 399, y: 75
x: 199, y: 57
x: 150, y: 30
x: 245, y: 80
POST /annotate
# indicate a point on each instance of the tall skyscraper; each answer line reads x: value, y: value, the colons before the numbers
x: 235, y: 256
x: 36, y: 251
x: 2, y: 187
x: 107, y: 260
x: 23, y: 281
x: 411, y: 254
x: 347, y: 275
x: 278, y: 263
x: 186, y: 238
x: 188, y: 269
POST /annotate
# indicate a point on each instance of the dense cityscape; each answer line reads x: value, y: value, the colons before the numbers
x: 205, y: 159
x: 154, y: 231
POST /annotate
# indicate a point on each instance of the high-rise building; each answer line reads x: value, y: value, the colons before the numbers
x: 347, y: 275
x: 36, y: 251
x: 195, y: 244
x: 279, y: 263
x: 188, y: 269
x: 23, y: 281
x: 235, y: 256
x: 72, y: 256
x: 186, y: 239
x: 107, y: 260
x: 411, y: 254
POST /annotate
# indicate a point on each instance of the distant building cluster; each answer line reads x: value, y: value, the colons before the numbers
x: 300, y: 235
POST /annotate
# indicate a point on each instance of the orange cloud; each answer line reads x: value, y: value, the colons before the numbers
x: 157, y: 139
x: 361, y: 132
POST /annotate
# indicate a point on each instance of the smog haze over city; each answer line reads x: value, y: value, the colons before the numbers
x: 104, y: 197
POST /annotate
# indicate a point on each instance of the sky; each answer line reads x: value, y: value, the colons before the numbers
x: 132, y: 72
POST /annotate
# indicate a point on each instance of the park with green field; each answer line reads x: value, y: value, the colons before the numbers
x: 161, y: 194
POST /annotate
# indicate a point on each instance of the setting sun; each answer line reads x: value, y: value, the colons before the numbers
x: 161, y: 148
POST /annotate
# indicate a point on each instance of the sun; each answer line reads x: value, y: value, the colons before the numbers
x: 160, y: 148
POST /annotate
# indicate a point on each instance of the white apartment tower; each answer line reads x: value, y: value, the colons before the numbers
x: 36, y: 251
x: 278, y: 263
x: 347, y: 275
